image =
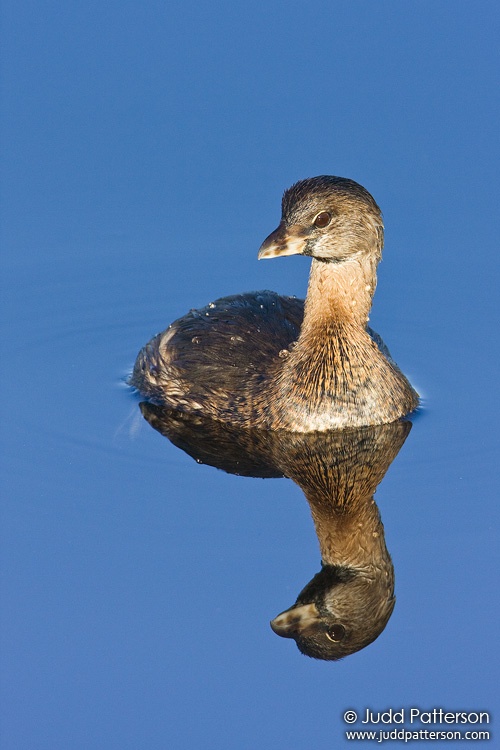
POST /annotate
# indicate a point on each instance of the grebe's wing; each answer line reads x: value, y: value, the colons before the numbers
x: 215, y: 349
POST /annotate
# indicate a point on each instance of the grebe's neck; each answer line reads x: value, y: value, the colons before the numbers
x: 339, y: 293
x: 335, y: 375
x: 352, y: 535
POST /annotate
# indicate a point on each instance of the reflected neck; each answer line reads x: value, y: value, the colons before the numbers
x: 350, y: 536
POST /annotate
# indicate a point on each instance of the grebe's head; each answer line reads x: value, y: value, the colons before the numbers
x: 329, y: 218
x: 340, y: 611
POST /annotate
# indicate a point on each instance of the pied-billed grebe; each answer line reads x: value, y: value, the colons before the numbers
x: 349, y: 602
x: 263, y: 360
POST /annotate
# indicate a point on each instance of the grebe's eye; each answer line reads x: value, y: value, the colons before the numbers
x: 335, y: 633
x: 322, y: 220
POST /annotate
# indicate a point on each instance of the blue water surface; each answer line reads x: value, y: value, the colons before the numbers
x: 146, y: 150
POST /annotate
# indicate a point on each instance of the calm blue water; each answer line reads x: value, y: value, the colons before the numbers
x: 148, y: 150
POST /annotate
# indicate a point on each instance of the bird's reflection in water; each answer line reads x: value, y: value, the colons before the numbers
x: 349, y: 602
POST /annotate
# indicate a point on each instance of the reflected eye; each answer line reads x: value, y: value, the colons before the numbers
x: 322, y: 220
x: 335, y: 633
